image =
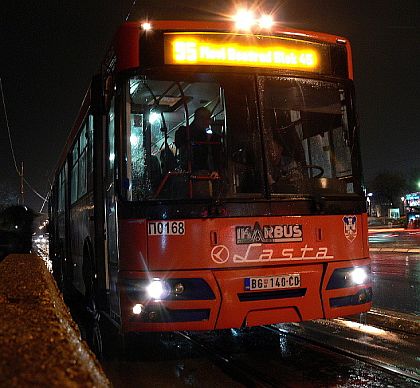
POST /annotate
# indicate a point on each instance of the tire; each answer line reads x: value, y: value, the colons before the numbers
x: 91, y: 315
x: 93, y: 330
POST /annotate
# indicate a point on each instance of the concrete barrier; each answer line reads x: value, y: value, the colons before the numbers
x: 40, y: 345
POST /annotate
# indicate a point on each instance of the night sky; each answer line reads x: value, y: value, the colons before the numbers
x: 50, y: 49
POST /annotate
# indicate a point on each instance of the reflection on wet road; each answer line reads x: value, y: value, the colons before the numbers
x: 395, y: 258
x: 394, y: 238
x: 284, y: 356
x: 396, y: 281
x: 164, y: 361
x: 312, y: 354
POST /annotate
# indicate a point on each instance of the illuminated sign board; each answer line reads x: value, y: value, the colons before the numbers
x: 413, y: 199
x: 242, y: 50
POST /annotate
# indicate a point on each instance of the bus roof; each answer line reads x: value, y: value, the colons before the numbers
x: 126, y: 42
x: 228, y: 26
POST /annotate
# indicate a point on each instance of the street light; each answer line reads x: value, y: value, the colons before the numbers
x: 369, y: 201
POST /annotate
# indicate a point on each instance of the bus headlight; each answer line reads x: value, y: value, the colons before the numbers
x: 138, y: 309
x: 349, y: 277
x: 358, y: 275
x: 157, y: 289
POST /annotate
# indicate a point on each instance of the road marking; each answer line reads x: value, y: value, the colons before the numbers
x: 386, y: 230
x: 400, y: 250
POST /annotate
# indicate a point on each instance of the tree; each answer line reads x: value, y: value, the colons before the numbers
x: 388, y: 188
x: 8, y: 196
x: 413, y: 180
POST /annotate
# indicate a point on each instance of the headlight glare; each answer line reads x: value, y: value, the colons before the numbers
x: 138, y: 309
x: 157, y: 289
x: 358, y: 276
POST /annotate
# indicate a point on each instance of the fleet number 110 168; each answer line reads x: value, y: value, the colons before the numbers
x: 168, y: 228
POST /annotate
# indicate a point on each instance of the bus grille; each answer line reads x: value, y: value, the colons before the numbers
x: 266, y: 295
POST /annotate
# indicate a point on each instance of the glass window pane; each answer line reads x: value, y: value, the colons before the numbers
x: 61, y: 190
x: 305, y: 131
x: 75, y: 153
x: 82, y: 182
x: 74, y: 183
x: 90, y: 143
x: 111, y: 137
x: 172, y: 151
x: 83, y: 139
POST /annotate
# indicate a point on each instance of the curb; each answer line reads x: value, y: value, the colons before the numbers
x: 39, y: 341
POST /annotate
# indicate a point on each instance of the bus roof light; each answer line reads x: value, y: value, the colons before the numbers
x: 146, y: 26
x: 266, y: 22
x: 244, y: 19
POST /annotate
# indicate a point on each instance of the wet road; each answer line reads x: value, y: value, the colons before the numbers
x: 396, y: 238
x: 285, y: 355
x: 295, y: 355
x: 396, y: 281
x: 395, y: 258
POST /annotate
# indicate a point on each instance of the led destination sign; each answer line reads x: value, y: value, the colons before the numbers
x: 242, y: 50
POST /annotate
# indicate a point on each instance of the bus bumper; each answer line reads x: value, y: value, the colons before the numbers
x: 216, y: 299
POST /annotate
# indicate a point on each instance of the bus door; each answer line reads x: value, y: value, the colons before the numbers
x: 111, y: 244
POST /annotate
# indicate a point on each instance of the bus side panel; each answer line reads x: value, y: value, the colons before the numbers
x: 365, y: 235
x: 127, y: 46
x: 133, y: 245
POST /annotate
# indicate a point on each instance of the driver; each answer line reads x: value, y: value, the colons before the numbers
x: 283, y: 166
x: 205, y: 153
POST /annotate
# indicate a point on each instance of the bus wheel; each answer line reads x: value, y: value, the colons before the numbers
x: 91, y: 314
x: 93, y: 331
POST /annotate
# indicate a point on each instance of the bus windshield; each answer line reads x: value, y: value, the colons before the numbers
x: 237, y: 136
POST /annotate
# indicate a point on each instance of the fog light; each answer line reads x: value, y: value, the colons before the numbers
x: 363, y: 297
x: 137, y: 309
x: 358, y: 275
x: 153, y: 315
x: 179, y: 288
x: 157, y: 289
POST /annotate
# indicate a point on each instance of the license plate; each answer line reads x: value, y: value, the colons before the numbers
x: 272, y: 282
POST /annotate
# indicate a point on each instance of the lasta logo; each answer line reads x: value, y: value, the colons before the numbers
x: 256, y: 253
x: 268, y: 234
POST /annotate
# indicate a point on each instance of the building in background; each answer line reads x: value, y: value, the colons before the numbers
x: 412, y: 209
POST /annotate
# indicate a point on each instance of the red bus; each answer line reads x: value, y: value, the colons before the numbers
x: 212, y: 179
